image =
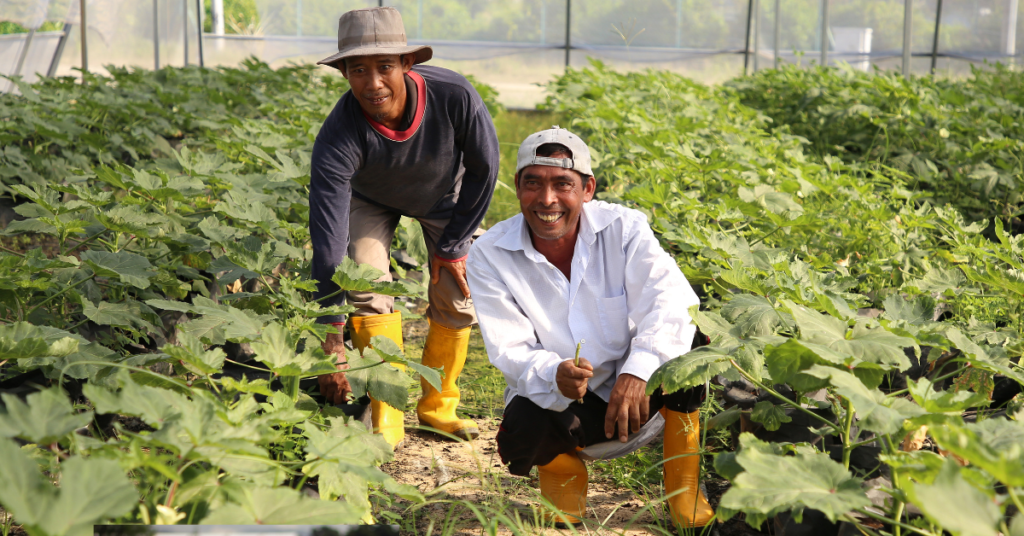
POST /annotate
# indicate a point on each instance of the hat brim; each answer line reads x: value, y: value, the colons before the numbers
x: 421, y: 53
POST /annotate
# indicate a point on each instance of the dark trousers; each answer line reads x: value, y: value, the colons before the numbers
x: 531, y: 435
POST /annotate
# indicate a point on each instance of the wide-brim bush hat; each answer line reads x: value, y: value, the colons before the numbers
x: 376, y: 31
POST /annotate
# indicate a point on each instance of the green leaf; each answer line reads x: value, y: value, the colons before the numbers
x: 956, y: 505
x: 154, y: 405
x: 938, y: 401
x: 788, y: 363
x: 995, y: 445
x: 125, y: 314
x: 770, y: 415
x: 22, y: 340
x: 755, y: 316
x: 920, y: 310
x: 381, y: 381
x: 129, y: 268
x: 281, y: 506
x: 43, y: 418
x: 877, y: 413
x: 362, y: 278
x: 871, y: 344
x: 389, y: 350
x: 812, y: 480
x: 91, y: 491
x: 194, y: 356
x: 276, y: 349
x: 343, y: 459
x: 689, y: 370
x: 219, y: 322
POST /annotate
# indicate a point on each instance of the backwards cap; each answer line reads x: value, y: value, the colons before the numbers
x: 580, y: 160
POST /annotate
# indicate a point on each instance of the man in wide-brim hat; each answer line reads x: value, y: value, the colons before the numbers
x: 406, y: 140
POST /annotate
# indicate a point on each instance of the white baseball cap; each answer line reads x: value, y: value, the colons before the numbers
x: 580, y: 160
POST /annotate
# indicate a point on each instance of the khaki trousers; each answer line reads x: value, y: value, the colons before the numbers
x: 371, y: 230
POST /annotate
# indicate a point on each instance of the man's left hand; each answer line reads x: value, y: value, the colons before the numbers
x: 629, y: 406
x: 457, y: 269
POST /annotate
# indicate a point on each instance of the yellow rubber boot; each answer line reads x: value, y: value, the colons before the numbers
x: 445, y: 348
x: 387, y: 420
x: 689, y: 508
x: 563, y: 482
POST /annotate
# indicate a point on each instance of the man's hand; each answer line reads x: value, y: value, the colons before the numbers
x: 457, y: 269
x: 628, y: 406
x: 572, y: 380
x: 335, y: 387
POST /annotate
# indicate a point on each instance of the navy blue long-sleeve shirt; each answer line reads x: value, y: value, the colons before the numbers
x: 443, y: 166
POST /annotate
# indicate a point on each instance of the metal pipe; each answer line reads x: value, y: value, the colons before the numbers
x: 156, y: 34
x: 746, y: 44
x: 757, y: 34
x: 935, y: 38
x: 1010, y: 30
x: 184, y: 25
x: 568, y: 31
x: 199, y: 30
x: 908, y: 31
x: 217, y: 16
x: 83, y: 24
x: 57, y: 54
x: 24, y: 51
x: 824, y: 32
x: 778, y: 30
x: 679, y: 23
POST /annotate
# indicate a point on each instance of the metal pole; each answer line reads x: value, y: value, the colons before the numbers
x: 83, y: 24
x: 156, y: 34
x: 199, y: 30
x: 57, y: 54
x: 757, y: 34
x: 935, y: 38
x: 380, y: 3
x: 568, y: 31
x: 184, y: 26
x: 1010, y: 30
x: 679, y: 23
x: 824, y: 32
x: 746, y: 45
x: 908, y: 31
x: 24, y: 51
x: 778, y: 30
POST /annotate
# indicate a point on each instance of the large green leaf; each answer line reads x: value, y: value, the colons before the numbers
x: 938, y: 401
x: 191, y: 354
x: 362, y: 278
x: 876, y: 412
x: 91, y: 491
x: 871, y: 344
x: 22, y: 340
x: 129, y: 268
x: 126, y: 314
x: 995, y: 445
x: 276, y: 349
x: 380, y: 380
x: 956, y: 505
x: 755, y: 316
x: 343, y: 459
x: 219, y: 322
x: 281, y: 506
x: 154, y: 405
x: 43, y: 418
x: 389, y: 350
x: 689, y: 370
x: 812, y: 480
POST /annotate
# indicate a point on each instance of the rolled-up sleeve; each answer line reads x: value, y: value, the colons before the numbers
x: 511, y: 341
x: 658, y: 298
x: 330, y: 194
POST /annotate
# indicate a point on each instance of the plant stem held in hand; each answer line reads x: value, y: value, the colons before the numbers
x: 576, y: 360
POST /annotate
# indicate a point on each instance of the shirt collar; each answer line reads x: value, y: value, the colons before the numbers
x: 594, y: 220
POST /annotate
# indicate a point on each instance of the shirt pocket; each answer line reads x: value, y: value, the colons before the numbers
x: 614, y: 316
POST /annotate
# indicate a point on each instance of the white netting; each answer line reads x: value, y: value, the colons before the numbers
x: 517, y: 44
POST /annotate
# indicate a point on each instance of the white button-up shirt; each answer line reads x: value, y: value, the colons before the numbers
x: 626, y: 297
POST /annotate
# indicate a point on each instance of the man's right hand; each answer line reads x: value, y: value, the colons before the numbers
x: 572, y: 380
x: 335, y: 387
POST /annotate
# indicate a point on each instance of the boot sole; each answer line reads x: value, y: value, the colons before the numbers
x: 467, y: 434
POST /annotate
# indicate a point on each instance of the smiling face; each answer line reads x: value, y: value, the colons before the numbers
x: 378, y: 83
x: 552, y: 198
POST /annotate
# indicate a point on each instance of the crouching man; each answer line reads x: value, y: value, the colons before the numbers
x: 569, y: 269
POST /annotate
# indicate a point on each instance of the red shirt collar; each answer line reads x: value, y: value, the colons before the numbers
x: 421, y: 106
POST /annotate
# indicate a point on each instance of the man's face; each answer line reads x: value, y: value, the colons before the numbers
x: 376, y: 80
x: 552, y: 198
